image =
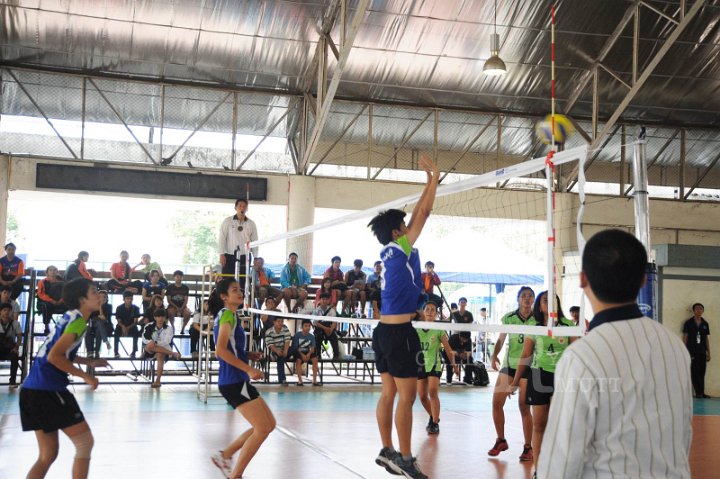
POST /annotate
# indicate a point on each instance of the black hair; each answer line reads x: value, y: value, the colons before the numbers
x: 5, y: 287
x: 429, y: 263
x: 574, y: 309
x: 215, y: 301
x: 384, y: 223
x: 74, y: 290
x: 524, y: 288
x: 463, y: 299
x: 178, y: 272
x: 102, y: 291
x: 483, y: 309
x: 124, y: 252
x: 614, y: 263
x: 152, y: 272
x: 292, y: 254
x: 358, y: 262
x: 305, y: 321
x: 698, y: 304
x: 82, y: 253
x: 539, y: 315
x: 336, y: 258
x: 377, y: 263
x: 160, y: 312
x: 10, y: 244
x: 453, y: 305
x: 431, y: 302
x: 5, y: 306
x: 325, y: 295
x: 127, y: 294
x: 241, y: 200
x: 465, y: 334
x: 259, y: 258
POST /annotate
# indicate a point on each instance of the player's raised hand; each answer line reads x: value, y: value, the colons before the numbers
x: 429, y: 166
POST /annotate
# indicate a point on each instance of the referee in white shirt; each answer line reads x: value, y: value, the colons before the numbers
x: 623, y: 397
x: 235, y: 232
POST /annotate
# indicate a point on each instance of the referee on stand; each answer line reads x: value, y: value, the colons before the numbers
x: 623, y: 398
x: 235, y: 232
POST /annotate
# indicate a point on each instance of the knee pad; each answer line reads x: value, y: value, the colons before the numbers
x: 83, y: 445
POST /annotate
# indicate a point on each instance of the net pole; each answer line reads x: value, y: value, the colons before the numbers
x: 550, y: 175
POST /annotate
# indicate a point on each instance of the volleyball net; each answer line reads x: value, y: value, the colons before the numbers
x: 487, y: 236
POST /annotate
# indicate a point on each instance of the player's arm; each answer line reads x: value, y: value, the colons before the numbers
x: 448, y: 350
x: 496, y: 350
x: 422, y: 209
x: 57, y: 357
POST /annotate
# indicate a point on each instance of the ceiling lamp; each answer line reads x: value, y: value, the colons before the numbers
x: 494, y: 66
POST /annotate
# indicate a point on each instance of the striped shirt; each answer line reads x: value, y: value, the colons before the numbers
x: 623, y: 403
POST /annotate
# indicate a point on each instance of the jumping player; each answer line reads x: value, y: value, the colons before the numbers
x: 46, y: 405
x: 522, y: 316
x: 398, y: 354
x: 234, y: 380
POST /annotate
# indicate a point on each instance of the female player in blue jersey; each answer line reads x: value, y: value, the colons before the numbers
x: 234, y: 379
x: 46, y: 405
x: 398, y: 354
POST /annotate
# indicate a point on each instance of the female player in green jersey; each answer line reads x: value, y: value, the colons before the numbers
x: 545, y: 352
x: 430, y: 369
x: 521, y: 316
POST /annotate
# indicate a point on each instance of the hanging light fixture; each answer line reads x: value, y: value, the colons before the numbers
x: 494, y: 66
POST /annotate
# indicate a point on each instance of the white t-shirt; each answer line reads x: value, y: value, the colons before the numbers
x: 9, y: 332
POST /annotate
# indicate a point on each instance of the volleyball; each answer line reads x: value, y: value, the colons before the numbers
x: 563, y: 129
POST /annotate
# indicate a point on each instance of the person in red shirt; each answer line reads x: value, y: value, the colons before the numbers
x: 49, y: 295
x: 120, y: 274
x: 12, y: 270
x: 77, y: 268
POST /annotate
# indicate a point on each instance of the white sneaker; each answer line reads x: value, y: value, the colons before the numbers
x: 225, y: 465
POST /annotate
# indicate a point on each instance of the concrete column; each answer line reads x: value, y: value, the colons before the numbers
x: 4, y: 193
x: 300, y: 213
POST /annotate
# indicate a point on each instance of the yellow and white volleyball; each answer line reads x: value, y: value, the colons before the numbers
x: 563, y: 129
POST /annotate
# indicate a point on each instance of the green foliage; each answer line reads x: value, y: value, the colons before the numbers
x: 12, y: 228
x: 196, y: 231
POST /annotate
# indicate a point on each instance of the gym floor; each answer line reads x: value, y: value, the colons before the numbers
x: 140, y: 432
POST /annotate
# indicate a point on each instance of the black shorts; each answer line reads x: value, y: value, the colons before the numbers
x: 239, y: 393
x: 511, y: 372
x: 397, y: 350
x: 422, y: 374
x: 541, y: 386
x: 48, y: 410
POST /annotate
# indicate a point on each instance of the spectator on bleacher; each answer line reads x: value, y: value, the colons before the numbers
x: 326, y: 287
x: 462, y: 346
x: 336, y: 275
x: 148, y: 266
x: 262, y: 281
x: 6, y: 297
x: 120, y: 276
x: 207, y: 321
x: 10, y: 340
x: 99, y: 327
x: 430, y: 279
x: 268, y: 319
x: 304, y: 351
x: 355, y: 280
x: 462, y: 315
x: 294, y: 280
x: 12, y: 270
x: 235, y: 232
x: 127, y: 316
x: 177, y: 296
x: 49, y: 296
x: 152, y: 287
x: 326, y: 329
x: 374, y: 285
x: 157, y: 343
x: 156, y: 302
x: 78, y: 269
x: 277, y: 342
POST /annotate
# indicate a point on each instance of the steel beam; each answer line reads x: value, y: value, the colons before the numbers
x: 593, y: 158
x: 637, y: 85
x: 405, y: 140
x: 342, y: 134
x: 324, y: 108
x: 39, y: 109
x: 683, y: 159
x: 468, y: 148
x: 122, y: 120
x: 704, y: 173
x: 272, y: 128
x: 233, y: 152
x: 82, y: 120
